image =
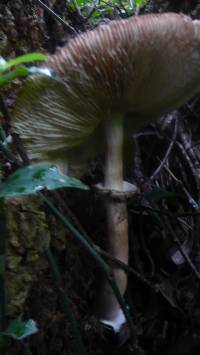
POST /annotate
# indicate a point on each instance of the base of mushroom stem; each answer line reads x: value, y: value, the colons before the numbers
x: 117, y: 329
x: 116, y: 322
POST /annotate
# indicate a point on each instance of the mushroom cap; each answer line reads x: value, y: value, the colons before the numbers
x: 141, y: 68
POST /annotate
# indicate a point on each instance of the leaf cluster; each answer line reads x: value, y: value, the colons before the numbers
x: 15, y: 68
x: 95, y: 10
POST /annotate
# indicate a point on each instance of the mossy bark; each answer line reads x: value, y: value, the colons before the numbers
x: 28, y: 238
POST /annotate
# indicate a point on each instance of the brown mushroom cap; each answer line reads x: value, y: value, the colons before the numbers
x: 141, y: 67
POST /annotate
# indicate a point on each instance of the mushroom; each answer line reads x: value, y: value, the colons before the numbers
x: 112, y: 81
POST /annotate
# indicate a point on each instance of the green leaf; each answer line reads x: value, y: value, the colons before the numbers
x: 20, y: 330
x: 26, y: 58
x: 23, y: 72
x: 34, y: 178
x: 18, y: 72
x: 140, y: 2
x: 96, y: 13
x: 82, y: 2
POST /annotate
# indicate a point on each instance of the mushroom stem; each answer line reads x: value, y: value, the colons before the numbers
x: 113, y: 174
x: 117, y: 221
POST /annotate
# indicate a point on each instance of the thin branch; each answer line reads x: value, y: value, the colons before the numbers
x: 186, y: 141
x: 190, y: 155
x: 56, y: 17
x: 171, y: 145
x: 194, y: 170
x: 191, y: 200
x: 126, y: 268
x: 182, y: 251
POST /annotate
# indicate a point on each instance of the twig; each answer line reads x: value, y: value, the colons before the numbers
x: 186, y: 141
x: 146, y: 133
x: 194, y: 171
x: 182, y: 251
x: 171, y: 145
x: 191, y: 200
x: 56, y: 16
x: 126, y: 268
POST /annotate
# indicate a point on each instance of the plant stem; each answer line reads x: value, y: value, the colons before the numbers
x: 56, y: 16
x: 98, y: 259
x: 67, y: 306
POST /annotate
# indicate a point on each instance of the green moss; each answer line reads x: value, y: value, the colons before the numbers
x: 13, y: 261
x: 28, y: 237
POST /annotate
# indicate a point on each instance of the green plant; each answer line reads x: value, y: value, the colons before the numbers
x: 15, y: 68
x: 93, y: 11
